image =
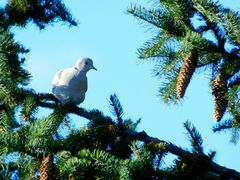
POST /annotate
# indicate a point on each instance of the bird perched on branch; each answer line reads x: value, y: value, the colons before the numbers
x: 70, y: 85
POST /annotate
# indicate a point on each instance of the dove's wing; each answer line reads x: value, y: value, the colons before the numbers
x: 60, y: 84
x: 69, y: 85
x: 63, y: 77
x: 56, y: 80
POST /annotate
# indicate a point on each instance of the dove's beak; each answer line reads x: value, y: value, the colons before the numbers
x: 94, y: 68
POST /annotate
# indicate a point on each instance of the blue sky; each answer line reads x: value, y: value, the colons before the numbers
x: 111, y: 37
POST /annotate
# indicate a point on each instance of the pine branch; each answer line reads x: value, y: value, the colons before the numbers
x: 172, y: 148
x: 40, y: 12
x: 161, y: 46
x: 179, y: 8
x: 92, y: 164
x: 142, y: 136
x: 231, y: 23
x: 212, y: 14
x: 194, y: 137
x: 116, y: 108
x: 148, y: 16
x: 159, y: 18
x: 168, y: 89
x: 223, y: 125
x: 216, y: 53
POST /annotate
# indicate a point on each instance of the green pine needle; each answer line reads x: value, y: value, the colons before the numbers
x: 116, y: 107
x: 194, y: 137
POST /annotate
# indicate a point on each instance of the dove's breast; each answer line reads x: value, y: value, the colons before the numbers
x: 78, y: 86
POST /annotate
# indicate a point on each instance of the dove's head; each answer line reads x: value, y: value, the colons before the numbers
x: 85, y: 64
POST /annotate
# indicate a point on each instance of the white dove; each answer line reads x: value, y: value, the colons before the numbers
x: 70, y: 85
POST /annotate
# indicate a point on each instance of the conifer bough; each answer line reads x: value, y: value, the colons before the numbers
x: 184, y: 27
x: 40, y: 12
x: 144, y: 137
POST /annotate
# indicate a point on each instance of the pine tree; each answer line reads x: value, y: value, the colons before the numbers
x: 181, y: 47
x: 108, y: 147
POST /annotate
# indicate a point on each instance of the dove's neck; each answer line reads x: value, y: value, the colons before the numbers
x: 80, y: 66
x: 81, y: 72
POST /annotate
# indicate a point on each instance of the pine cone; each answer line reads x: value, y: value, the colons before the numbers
x: 46, y: 171
x: 25, y: 117
x: 71, y: 177
x: 219, y: 87
x: 186, y: 72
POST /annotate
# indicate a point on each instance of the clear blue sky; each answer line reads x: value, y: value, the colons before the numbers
x: 111, y: 37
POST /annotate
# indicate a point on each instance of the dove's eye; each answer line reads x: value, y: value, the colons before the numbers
x: 86, y: 63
